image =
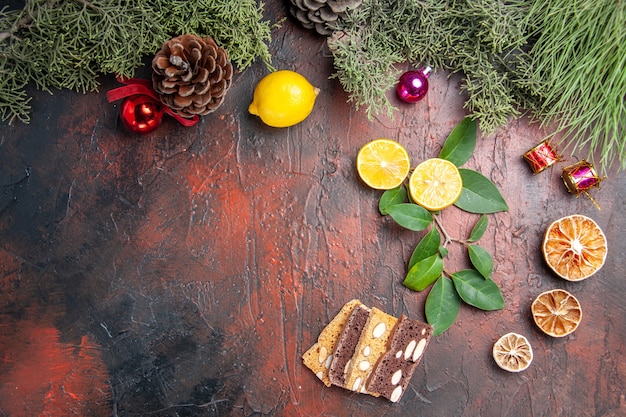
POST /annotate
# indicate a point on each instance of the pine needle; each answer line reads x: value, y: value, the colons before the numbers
x: 580, y: 58
x: 564, y: 64
x: 69, y: 44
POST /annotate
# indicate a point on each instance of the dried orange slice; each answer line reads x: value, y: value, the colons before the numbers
x: 435, y: 184
x: 383, y: 164
x: 512, y: 352
x: 556, y: 312
x: 574, y: 247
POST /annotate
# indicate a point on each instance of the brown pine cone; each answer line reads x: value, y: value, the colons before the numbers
x: 191, y: 75
x: 321, y: 14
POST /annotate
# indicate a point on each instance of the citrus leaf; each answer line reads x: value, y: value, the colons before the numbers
x: 424, y: 273
x: 479, y: 228
x: 443, y: 251
x: 479, y: 194
x: 391, y: 197
x: 460, y: 144
x: 410, y: 216
x: 428, y: 246
x: 477, y: 291
x: 481, y: 259
x: 442, y: 305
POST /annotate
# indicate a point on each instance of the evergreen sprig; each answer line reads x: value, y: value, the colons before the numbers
x: 578, y: 63
x: 565, y: 65
x: 69, y: 44
x: 475, y: 38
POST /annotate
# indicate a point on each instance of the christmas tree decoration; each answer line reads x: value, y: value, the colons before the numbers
x: 70, y: 45
x: 413, y: 85
x: 191, y: 75
x: 541, y: 156
x: 580, y: 178
x: 321, y: 15
x: 141, y: 113
x: 142, y: 109
x: 564, y: 65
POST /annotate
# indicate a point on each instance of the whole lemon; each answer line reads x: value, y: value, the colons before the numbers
x: 283, y: 98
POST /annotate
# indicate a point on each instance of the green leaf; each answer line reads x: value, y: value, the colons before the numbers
x: 442, y: 305
x: 460, y: 144
x: 481, y: 259
x: 443, y: 251
x: 390, y: 198
x: 424, y: 273
x: 479, y: 194
x: 479, y: 228
x: 428, y: 246
x: 477, y: 291
x: 410, y: 216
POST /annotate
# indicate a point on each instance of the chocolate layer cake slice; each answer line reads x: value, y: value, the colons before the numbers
x: 406, y: 347
x: 320, y: 355
x: 344, y: 350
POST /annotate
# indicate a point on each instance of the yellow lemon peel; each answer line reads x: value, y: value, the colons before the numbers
x: 283, y: 98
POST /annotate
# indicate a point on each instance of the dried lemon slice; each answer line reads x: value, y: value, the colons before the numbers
x: 574, y: 247
x: 512, y: 352
x: 383, y: 164
x: 435, y: 184
x: 556, y: 312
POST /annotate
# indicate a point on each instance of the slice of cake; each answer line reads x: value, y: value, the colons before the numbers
x: 344, y: 349
x: 394, y: 370
x: 319, y: 357
x: 371, y: 346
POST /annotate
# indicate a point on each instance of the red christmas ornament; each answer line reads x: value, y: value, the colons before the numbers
x: 413, y: 85
x: 142, y: 110
x: 141, y: 113
x: 542, y: 156
x: 580, y: 178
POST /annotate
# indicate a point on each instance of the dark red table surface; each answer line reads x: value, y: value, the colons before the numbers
x: 184, y: 272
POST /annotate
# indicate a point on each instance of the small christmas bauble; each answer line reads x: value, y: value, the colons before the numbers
x: 141, y: 113
x: 413, y: 85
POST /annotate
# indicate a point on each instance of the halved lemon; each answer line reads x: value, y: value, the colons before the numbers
x: 512, y: 352
x: 574, y: 247
x: 435, y: 184
x: 556, y: 312
x: 383, y: 164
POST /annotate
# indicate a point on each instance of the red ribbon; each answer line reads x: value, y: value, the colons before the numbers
x: 135, y: 86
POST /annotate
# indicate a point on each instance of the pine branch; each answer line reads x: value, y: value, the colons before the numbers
x: 460, y: 36
x: 565, y: 65
x: 69, y: 44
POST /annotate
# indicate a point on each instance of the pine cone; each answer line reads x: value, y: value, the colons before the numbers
x: 191, y: 75
x: 321, y: 14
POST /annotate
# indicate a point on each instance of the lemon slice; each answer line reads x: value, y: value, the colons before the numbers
x: 512, y: 352
x: 435, y: 184
x: 383, y: 164
x: 574, y: 247
x: 556, y: 312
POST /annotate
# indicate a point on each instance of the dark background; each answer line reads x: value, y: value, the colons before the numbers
x: 184, y: 272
